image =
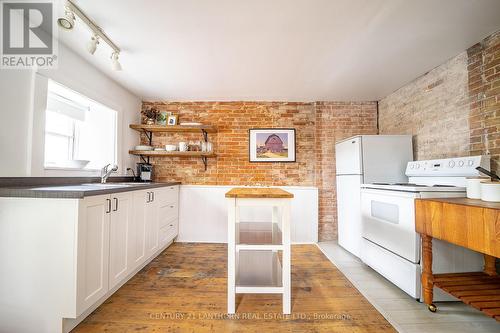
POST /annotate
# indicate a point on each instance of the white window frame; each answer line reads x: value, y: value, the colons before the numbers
x: 75, y: 135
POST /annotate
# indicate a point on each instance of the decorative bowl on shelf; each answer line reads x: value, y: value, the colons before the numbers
x: 143, y: 147
x: 170, y: 147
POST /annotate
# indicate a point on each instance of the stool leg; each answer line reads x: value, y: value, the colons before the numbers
x: 427, y: 277
x: 286, y: 259
x: 489, y: 265
x: 231, y: 256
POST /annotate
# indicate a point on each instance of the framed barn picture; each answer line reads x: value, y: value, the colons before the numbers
x: 271, y: 144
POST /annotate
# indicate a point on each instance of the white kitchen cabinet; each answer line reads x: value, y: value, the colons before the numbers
x: 138, y: 236
x: 81, y: 250
x: 152, y: 228
x: 168, y: 213
x: 92, y: 251
x: 121, y: 237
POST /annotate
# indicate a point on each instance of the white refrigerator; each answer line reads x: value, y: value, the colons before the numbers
x: 360, y: 160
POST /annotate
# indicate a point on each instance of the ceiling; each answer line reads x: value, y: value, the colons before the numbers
x: 280, y: 50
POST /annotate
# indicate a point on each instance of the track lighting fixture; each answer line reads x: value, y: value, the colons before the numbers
x: 71, y: 12
x: 92, y: 44
x: 68, y: 21
x: 115, y: 64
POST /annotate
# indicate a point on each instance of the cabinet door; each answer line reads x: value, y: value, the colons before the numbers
x: 138, y: 235
x: 168, y: 232
x: 168, y: 213
x: 92, y: 250
x: 152, y: 226
x: 121, y: 237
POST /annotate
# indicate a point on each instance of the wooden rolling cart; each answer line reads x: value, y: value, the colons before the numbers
x: 254, y: 262
x: 473, y: 224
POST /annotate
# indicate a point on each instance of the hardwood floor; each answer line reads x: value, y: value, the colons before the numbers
x: 184, y: 290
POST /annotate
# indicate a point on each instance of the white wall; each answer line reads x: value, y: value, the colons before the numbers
x: 203, y: 214
x: 22, y: 120
x: 16, y: 91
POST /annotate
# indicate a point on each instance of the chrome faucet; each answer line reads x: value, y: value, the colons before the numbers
x: 105, y: 172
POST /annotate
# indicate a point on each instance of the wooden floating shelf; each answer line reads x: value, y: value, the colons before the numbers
x: 171, y: 153
x: 477, y: 289
x: 148, y: 130
x: 174, y: 128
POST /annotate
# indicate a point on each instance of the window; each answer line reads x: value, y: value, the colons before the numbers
x: 77, y: 130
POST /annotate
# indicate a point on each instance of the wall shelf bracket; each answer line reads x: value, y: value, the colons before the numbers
x: 149, y: 135
x: 205, y: 135
x: 205, y: 161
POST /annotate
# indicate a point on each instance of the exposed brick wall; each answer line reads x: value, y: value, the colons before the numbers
x: 318, y: 126
x: 452, y: 110
x: 484, y: 91
x: 336, y: 121
x: 434, y: 109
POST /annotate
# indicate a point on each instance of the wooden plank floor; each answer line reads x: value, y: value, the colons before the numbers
x: 184, y: 290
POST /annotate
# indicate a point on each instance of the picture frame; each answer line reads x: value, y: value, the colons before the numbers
x: 172, y: 120
x: 272, y: 145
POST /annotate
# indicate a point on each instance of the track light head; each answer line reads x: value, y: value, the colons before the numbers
x: 68, y: 21
x: 115, y: 64
x: 92, y: 44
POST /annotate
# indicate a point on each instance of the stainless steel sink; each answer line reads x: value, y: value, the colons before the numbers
x: 108, y: 185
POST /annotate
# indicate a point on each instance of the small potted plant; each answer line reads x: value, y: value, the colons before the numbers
x: 161, y: 118
x: 151, y: 114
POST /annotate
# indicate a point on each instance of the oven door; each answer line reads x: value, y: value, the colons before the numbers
x: 388, y: 220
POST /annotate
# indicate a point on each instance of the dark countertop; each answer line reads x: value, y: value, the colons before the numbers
x: 71, y: 189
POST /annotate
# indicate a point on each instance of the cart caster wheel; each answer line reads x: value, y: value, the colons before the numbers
x: 432, y: 308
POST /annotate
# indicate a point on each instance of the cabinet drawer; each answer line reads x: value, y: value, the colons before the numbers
x: 167, y: 195
x: 167, y: 213
x: 168, y: 232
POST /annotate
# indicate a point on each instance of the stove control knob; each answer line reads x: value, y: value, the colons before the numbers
x: 471, y: 162
x: 451, y: 164
x: 418, y: 166
x: 461, y: 163
x: 412, y: 166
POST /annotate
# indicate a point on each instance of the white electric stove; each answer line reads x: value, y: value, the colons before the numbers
x: 390, y: 244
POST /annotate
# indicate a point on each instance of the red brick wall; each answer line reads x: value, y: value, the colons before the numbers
x: 336, y: 121
x: 318, y: 126
x: 484, y: 92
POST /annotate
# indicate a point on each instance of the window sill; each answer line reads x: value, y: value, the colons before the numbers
x: 69, y: 169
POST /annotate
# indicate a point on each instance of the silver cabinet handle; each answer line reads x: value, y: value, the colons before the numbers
x: 149, y: 197
x: 116, y: 204
x: 153, y: 196
x: 108, y: 210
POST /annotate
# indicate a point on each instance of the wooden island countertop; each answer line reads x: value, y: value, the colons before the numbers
x: 466, y: 202
x: 258, y: 193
